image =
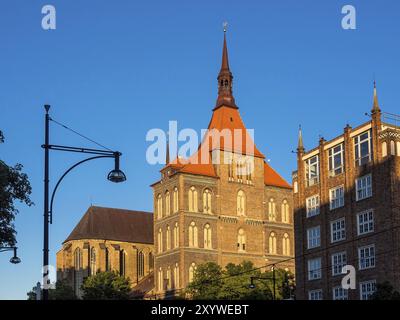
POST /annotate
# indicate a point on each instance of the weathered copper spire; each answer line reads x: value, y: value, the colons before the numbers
x: 225, y: 78
x: 375, y: 106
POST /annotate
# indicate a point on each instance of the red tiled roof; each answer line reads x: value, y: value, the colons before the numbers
x: 272, y: 178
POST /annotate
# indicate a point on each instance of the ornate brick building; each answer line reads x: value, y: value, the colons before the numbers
x: 347, y: 210
x: 108, y: 239
x: 223, y: 204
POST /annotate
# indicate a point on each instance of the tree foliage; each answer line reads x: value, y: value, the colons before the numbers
x: 106, y: 286
x: 385, y: 291
x: 233, y: 283
x: 14, y: 186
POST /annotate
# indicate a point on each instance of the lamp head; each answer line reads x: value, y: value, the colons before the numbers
x: 116, y: 175
x: 15, y: 259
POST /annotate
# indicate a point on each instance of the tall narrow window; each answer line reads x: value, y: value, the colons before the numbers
x: 392, y: 148
x: 207, y: 201
x: 107, y: 259
x: 313, y: 237
x: 159, y: 206
x: 312, y: 171
x: 176, y: 235
x: 271, y: 210
x: 160, y: 241
x: 193, y: 235
x: 286, y: 245
x: 336, y: 197
x: 241, y: 203
x: 192, y: 270
x: 176, y: 276
x: 230, y: 166
x: 140, y: 264
x: 336, y: 160
x: 168, y: 238
x: 176, y: 200
x: 363, y: 187
x: 122, y: 263
x: 398, y: 148
x: 169, y: 278
x: 78, y: 276
x: 363, y: 148
x: 272, y: 243
x: 312, y: 206
x: 249, y: 169
x: 207, y: 237
x: 384, y: 149
x: 93, y: 266
x: 167, y: 204
x: 151, y: 261
x: 285, y: 211
x: 160, y: 280
x: 241, y: 243
x: 193, y: 199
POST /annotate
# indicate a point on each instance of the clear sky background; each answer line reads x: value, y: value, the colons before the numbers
x: 115, y: 69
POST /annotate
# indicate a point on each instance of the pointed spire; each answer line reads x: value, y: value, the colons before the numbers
x: 225, y: 78
x: 300, y: 145
x: 375, y: 107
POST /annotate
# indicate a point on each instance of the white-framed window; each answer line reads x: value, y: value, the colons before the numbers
x: 336, y: 160
x: 338, y: 230
x: 315, y: 294
x: 363, y: 148
x: 295, y: 187
x: 312, y: 206
x: 364, y: 187
x: 367, y: 288
x: 339, y: 260
x: 365, y: 222
x: 336, y: 197
x: 313, y: 237
x: 312, y: 170
x: 314, y: 269
x: 338, y: 293
x: 366, y: 257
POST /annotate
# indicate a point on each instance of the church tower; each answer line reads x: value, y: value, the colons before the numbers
x: 224, y: 204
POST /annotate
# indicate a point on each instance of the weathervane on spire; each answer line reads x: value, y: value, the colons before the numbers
x: 225, y: 26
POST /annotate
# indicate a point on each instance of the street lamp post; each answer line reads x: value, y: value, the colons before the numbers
x: 115, y: 175
x: 273, y: 278
x: 14, y: 259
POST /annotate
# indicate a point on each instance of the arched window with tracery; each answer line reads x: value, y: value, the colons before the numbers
x: 207, y: 201
x: 285, y: 211
x: 286, y: 245
x: 93, y: 265
x: 207, y: 236
x: 272, y: 243
x: 176, y: 200
x: 241, y: 240
x: 140, y: 264
x: 271, y: 210
x: 241, y: 203
x: 193, y: 235
x: 159, y: 207
x: 167, y: 204
x: 192, y: 195
x: 192, y: 270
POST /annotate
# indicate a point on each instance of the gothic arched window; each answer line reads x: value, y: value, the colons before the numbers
x: 167, y: 204
x: 285, y: 211
x: 384, y: 149
x: 159, y: 206
x: 176, y: 200
x: 241, y: 240
x: 140, y: 264
x: 168, y: 238
x: 192, y: 270
x: 176, y: 235
x: 286, y: 245
x: 207, y: 237
x: 160, y: 241
x: 193, y: 236
x: 272, y: 243
x: 176, y: 275
x: 241, y: 203
x: 271, y: 210
x: 193, y: 200
x: 122, y: 263
x: 207, y: 201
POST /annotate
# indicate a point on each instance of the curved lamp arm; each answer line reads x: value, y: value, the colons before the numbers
x: 62, y: 177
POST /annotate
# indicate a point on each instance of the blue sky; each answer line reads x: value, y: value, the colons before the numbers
x: 115, y: 69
